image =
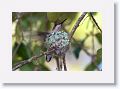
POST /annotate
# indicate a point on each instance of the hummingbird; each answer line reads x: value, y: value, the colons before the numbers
x: 57, y: 40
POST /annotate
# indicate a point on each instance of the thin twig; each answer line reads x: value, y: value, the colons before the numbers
x: 95, y: 22
x: 64, y: 64
x: 77, y: 24
x: 20, y: 64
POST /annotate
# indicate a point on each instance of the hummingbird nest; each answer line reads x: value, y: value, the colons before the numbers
x: 59, y: 41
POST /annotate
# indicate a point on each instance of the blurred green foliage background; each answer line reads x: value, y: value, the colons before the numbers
x: 85, y: 53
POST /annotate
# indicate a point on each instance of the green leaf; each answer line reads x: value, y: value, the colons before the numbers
x: 99, y: 56
x: 78, y: 47
x: 23, y: 52
x: 25, y: 23
x: 36, y: 50
x: 27, y: 67
x: 92, y: 66
x: 77, y: 52
x: 99, y: 37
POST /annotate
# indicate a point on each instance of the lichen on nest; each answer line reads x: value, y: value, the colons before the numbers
x: 57, y: 40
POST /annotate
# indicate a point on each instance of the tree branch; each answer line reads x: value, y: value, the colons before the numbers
x: 20, y: 64
x: 77, y: 24
x: 58, y: 64
x: 95, y: 22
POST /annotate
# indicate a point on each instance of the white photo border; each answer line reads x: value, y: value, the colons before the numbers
x: 105, y: 76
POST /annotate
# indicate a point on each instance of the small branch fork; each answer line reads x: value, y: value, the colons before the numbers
x: 20, y: 64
